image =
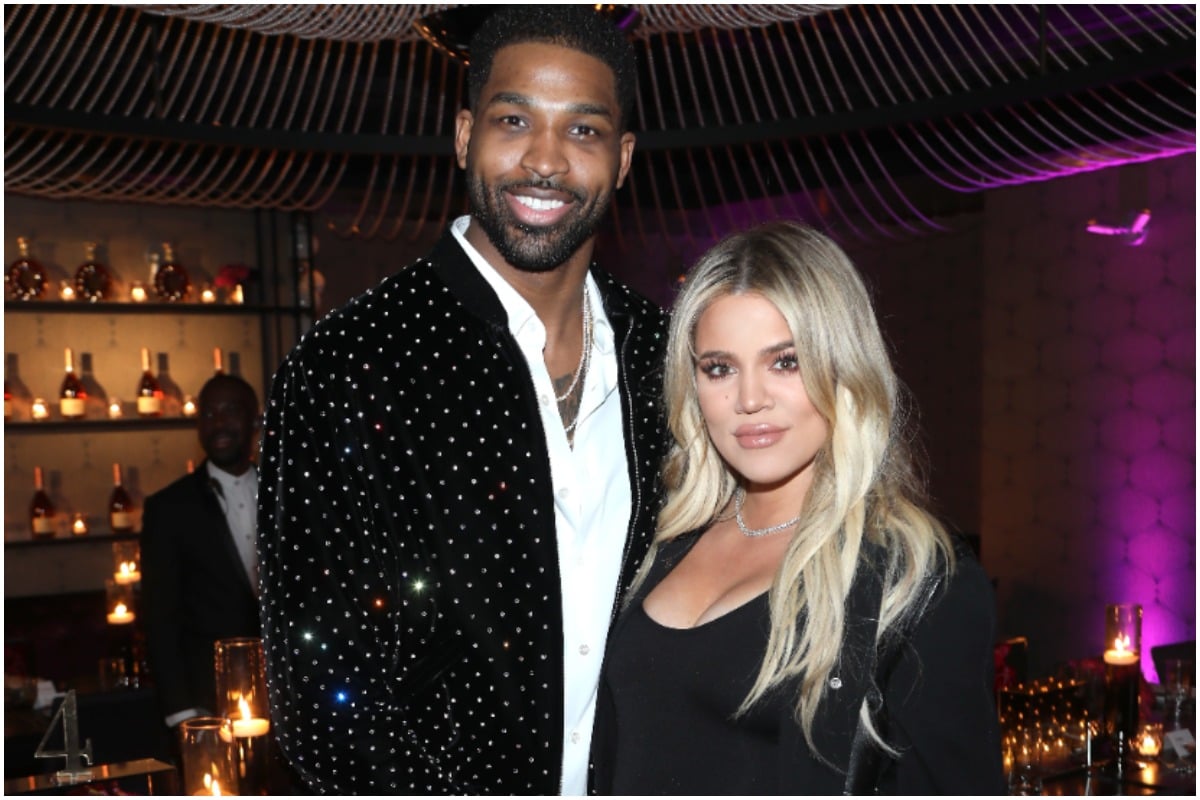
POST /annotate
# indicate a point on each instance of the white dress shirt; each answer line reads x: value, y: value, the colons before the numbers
x: 238, y: 496
x: 592, y: 499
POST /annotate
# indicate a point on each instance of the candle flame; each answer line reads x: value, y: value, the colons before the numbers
x: 126, y: 567
x: 244, y: 708
x: 120, y: 610
x: 1121, y: 644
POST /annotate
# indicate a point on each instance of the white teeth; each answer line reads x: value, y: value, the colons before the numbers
x: 538, y: 204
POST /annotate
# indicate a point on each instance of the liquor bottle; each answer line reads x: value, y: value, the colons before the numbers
x: 149, y: 393
x: 190, y: 466
x: 120, y: 505
x: 7, y: 396
x: 71, y: 396
x: 171, y: 281
x: 25, y: 278
x: 41, y: 510
x: 218, y: 362
x: 92, y: 281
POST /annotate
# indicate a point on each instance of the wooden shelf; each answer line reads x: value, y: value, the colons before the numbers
x: 99, y: 425
x: 149, y: 307
x: 92, y: 537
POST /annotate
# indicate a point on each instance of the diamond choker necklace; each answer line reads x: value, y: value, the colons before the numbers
x: 738, y: 499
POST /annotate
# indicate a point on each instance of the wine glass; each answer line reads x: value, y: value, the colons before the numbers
x: 1177, y: 689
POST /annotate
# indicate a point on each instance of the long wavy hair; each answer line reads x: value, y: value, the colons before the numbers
x: 864, y: 487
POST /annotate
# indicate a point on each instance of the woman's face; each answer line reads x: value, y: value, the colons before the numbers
x: 751, y: 394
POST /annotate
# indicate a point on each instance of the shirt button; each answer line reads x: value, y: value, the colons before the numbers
x: 563, y: 493
x: 543, y: 399
x: 584, y: 649
x: 574, y: 737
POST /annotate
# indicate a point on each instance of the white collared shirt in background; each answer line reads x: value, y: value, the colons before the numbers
x: 239, y: 500
x: 592, y: 501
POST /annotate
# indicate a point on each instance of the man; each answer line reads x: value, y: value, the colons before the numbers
x: 199, y: 566
x: 460, y: 467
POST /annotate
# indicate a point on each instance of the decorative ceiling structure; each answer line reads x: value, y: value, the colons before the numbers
x: 845, y: 116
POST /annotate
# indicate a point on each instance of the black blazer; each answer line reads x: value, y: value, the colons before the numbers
x: 194, y: 590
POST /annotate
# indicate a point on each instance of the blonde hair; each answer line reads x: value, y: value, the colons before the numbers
x: 864, y: 484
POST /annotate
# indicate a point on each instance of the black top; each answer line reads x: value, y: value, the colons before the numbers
x: 938, y: 698
x: 676, y: 693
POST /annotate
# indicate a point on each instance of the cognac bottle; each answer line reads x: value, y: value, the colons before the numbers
x: 218, y: 362
x: 171, y: 281
x: 41, y: 510
x: 149, y: 393
x: 71, y: 395
x: 120, y: 505
x: 25, y: 278
x: 92, y: 281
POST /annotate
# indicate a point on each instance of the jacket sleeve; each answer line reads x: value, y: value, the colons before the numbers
x: 328, y: 573
x: 162, y: 604
x: 941, y: 711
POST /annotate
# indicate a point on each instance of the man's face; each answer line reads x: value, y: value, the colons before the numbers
x: 227, y: 425
x: 543, y: 153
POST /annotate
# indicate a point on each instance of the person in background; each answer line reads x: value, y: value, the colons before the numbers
x: 199, y: 565
x: 459, y: 468
x: 803, y: 625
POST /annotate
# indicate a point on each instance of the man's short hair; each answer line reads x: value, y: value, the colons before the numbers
x: 578, y: 27
x: 242, y: 386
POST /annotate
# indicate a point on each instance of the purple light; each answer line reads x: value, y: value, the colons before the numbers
x: 1134, y: 234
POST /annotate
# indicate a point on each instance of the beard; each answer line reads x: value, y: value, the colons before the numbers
x: 526, y: 247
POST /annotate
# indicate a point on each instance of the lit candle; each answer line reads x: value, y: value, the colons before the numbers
x: 1149, y: 742
x: 1120, y: 655
x: 212, y: 786
x: 39, y: 409
x: 237, y: 298
x: 114, y: 409
x: 189, y: 407
x: 248, y: 726
x: 207, y: 295
x: 120, y: 615
x: 79, y: 525
x: 67, y: 292
x: 138, y: 292
x: 127, y: 573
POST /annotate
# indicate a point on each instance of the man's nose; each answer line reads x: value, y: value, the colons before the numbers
x: 545, y: 156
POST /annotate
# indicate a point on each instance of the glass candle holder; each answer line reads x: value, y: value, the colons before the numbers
x: 208, y: 294
x: 137, y: 292
x: 189, y: 406
x: 39, y: 409
x: 242, y: 702
x: 79, y: 526
x: 1122, y: 674
x: 115, y: 409
x: 209, y: 765
x: 119, y: 602
x: 127, y: 563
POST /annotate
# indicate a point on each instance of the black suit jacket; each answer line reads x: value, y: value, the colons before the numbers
x: 194, y: 590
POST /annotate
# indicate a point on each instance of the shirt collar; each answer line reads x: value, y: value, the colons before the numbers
x: 521, y: 315
x: 230, y: 481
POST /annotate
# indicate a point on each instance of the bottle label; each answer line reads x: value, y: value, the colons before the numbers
x: 149, y: 405
x: 121, y: 520
x: 43, y: 525
x: 71, y: 406
x: 7, y: 409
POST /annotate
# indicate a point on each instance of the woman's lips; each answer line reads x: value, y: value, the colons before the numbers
x: 752, y: 437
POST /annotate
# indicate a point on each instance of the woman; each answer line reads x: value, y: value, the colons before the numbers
x: 795, y: 570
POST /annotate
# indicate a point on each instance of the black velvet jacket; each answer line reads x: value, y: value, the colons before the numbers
x: 410, y: 583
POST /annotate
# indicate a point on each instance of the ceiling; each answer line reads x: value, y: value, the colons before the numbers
x: 863, y: 118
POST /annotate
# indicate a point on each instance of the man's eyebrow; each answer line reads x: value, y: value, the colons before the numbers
x: 517, y: 99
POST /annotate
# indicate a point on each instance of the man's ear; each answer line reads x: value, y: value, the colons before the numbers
x: 463, y: 124
x: 628, y: 140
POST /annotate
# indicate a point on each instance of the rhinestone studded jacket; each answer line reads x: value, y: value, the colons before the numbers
x: 410, y: 586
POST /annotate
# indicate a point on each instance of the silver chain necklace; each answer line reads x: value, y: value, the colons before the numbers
x: 583, y: 355
x: 739, y: 498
